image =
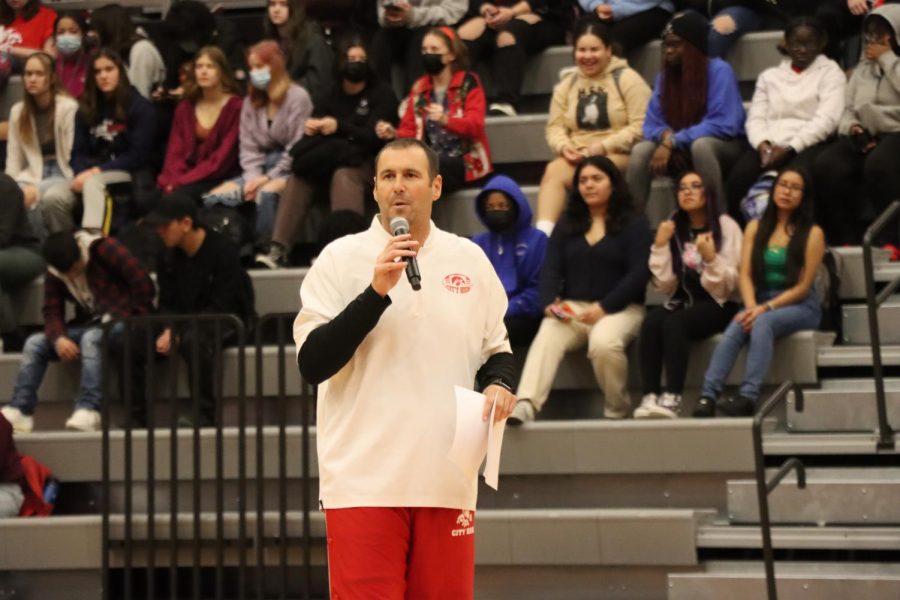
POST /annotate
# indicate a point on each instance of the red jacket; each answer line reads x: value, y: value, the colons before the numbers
x: 216, y: 157
x: 466, y: 108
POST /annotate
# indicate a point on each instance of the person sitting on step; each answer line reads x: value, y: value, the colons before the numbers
x: 694, y: 261
x: 779, y: 258
x: 104, y: 281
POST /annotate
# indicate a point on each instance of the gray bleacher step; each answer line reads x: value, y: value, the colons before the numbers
x: 856, y: 356
x: 853, y: 282
x: 539, y: 448
x: 77, y: 457
x: 856, y: 322
x: 862, y: 496
x: 505, y: 537
x: 887, y: 271
x: 843, y: 405
x: 795, y: 581
x: 275, y: 291
x: 518, y: 139
x: 794, y: 359
x: 823, y: 444
x: 722, y: 535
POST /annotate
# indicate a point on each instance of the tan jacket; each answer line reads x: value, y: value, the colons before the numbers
x: 608, y: 108
x: 24, y: 162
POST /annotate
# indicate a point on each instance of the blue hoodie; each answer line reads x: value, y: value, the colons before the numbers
x: 724, y: 116
x: 518, y: 254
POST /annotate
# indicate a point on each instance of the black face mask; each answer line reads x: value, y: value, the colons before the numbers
x: 355, y: 72
x: 433, y: 63
x: 499, y: 221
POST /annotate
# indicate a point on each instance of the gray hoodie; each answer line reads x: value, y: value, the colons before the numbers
x: 873, y: 94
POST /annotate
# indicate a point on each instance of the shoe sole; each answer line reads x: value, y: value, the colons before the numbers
x: 659, y: 412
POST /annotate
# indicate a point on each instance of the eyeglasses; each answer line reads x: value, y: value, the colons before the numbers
x: 689, y: 187
x: 790, y: 187
x: 873, y: 38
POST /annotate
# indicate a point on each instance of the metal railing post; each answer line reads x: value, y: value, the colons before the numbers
x: 764, y: 487
x: 873, y: 301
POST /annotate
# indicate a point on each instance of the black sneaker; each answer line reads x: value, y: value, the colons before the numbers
x: 736, y: 406
x: 705, y: 409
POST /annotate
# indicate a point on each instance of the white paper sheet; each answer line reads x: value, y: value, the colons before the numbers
x: 494, y: 445
x: 474, y: 438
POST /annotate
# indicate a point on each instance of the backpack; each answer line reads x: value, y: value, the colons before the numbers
x: 827, y: 286
x: 234, y: 224
x: 754, y: 203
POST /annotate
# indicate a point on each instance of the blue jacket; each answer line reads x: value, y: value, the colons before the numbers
x: 724, y: 116
x: 518, y: 254
x: 625, y: 8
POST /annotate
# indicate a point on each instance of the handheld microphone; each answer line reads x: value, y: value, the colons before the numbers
x: 400, y: 226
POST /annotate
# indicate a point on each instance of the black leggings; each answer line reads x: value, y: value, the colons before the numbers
x: 664, y: 340
x: 507, y: 64
x: 638, y: 30
x: 398, y: 45
x: 841, y: 173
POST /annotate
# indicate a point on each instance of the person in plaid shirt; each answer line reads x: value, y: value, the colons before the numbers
x: 104, y: 281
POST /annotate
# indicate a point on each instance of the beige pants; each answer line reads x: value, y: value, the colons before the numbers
x: 606, y: 340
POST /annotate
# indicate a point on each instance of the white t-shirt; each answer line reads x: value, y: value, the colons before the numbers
x: 386, y: 420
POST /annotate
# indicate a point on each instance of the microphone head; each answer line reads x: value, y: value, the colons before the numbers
x: 399, y: 226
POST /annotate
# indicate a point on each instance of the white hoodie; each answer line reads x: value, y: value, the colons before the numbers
x: 797, y: 109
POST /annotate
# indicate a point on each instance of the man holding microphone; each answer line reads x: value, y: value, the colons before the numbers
x: 386, y: 357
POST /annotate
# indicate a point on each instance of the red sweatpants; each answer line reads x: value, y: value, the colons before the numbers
x: 401, y: 553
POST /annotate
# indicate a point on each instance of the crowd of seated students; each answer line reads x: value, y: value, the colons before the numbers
x: 313, y: 119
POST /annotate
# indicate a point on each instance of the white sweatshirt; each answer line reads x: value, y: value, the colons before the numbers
x: 797, y: 109
x: 386, y: 420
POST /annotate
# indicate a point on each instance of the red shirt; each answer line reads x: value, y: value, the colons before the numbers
x: 36, y: 31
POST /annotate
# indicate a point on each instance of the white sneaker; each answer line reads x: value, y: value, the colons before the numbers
x: 502, y: 109
x: 667, y: 407
x: 84, y: 419
x: 523, y: 412
x: 21, y: 423
x: 648, y: 402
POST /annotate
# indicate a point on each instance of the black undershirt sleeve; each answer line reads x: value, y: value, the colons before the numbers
x: 331, y: 346
x: 500, y: 368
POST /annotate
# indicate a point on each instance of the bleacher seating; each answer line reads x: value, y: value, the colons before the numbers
x: 587, y: 508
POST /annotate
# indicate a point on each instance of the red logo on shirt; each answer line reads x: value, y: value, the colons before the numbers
x: 458, y: 284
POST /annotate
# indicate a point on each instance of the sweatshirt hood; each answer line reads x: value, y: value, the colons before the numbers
x: 891, y: 13
x: 502, y: 183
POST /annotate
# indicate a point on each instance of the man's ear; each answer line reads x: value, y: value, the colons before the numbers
x: 436, y: 187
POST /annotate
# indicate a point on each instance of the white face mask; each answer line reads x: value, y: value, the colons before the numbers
x: 68, y: 43
x: 261, y: 77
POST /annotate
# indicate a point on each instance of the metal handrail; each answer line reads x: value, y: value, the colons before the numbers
x: 873, y: 301
x: 140, y: 332
x: 282, y: 323
x: 765, y: 487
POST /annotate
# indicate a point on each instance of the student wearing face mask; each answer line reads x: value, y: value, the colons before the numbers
x: 516, y: 250
x: 446, y: 109
x: 72, y: 56
x: 337, y: 150
x: 272, y: 121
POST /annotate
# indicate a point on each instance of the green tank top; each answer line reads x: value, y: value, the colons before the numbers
x: 775, y: 263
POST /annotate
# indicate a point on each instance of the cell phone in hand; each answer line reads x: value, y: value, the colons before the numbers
x: 562, y: 312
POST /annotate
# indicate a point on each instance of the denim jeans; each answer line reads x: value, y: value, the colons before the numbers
x: 768, y: 327
x: 745, y: 19
x: 266, y: 202
x: 38, y: 352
